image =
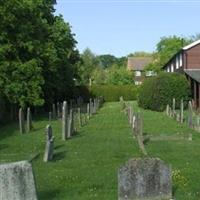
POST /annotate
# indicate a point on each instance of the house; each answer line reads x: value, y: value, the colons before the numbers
x: 137, y: 64
x: 187, y: 61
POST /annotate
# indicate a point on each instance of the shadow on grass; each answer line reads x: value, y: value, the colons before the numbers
x: 59, y: 156
x: 59, y: 146
x: 47, y: 195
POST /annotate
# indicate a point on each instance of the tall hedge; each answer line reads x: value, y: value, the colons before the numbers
x: 156, y: 92
x: 113, y: 92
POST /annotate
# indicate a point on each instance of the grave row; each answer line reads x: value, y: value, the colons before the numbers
x: 17, y: 179
x: 142, y: 178
x: 189, y: 117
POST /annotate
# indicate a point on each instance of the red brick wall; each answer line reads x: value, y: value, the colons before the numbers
x: 192, y: 58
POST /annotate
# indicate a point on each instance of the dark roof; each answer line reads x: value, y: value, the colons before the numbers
x: 194, y: 74
x: 138, y: 63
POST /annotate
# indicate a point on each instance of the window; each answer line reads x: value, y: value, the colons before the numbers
x: 150, y: 73
x: 138, y: 73
x: 138, y: 82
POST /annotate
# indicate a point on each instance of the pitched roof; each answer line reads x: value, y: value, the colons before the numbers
x: 194, y: 74
x: 138, y: 63
x: 191, y: 45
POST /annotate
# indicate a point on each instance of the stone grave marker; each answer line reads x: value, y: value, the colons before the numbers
x: 17, y: 181
x: 48, y: 155
x: 181, y: 111
x: 190, y: 115
x: 145, y: 179
x: 54, y: 111
x: 64, y: 120
x: 173, y: 107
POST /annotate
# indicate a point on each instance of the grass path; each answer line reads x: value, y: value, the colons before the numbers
x: 85, y: 167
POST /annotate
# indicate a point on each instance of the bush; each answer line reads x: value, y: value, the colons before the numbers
x: 156, y: 92
x: 113, y: 92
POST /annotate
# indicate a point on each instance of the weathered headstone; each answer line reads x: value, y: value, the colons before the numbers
x: 91, y: 107
x: 48, y: 155
x: 17, y: 181
x: 88, y: 110
x: 29, y: 120
x: 64, y: 120
x: 139, y: 133
x: 21, y: 121
x: 190, y: 115
x: 173, y: 107
x: 167, y: 110
x: 181, y: 111
x: 145, y: 179
x: 54, y: 111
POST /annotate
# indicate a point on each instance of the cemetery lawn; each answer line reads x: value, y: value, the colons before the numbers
x: 85, y: 166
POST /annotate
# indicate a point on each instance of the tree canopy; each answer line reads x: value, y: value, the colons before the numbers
x: 37, y: 52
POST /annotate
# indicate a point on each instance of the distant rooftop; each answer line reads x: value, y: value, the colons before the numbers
x: 138, y: 63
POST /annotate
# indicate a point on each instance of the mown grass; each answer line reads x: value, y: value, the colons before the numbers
x: 85, y: 167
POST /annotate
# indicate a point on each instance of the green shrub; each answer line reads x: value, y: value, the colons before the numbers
x: 113, y: 92
x: 156, y: 92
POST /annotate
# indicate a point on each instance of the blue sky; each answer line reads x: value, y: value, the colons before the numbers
x: 120, y: 27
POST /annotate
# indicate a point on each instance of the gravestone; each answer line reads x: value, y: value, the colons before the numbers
x: 181, y: 111
x: 29, y: 120
x: 167, y: 110
x: 190, y: 115
x: 88, y: 111
x: 21, y: 121
x: 48, y: 155
x: 139, y: 133
x: 145, y: 179
x: 173, y: 107
x: 17, y: 181
x: 64, y: 121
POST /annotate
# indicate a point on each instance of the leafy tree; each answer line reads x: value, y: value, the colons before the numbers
x: 37, y: 52
x: 107, y: 60
x: 168, y: 46
x: 88, y: 64
x: 119, y: 76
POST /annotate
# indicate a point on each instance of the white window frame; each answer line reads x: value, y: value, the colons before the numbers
x: 138, y: 73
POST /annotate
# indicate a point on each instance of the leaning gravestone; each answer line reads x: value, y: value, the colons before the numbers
x: 17, y: 181
x: 145, y: 179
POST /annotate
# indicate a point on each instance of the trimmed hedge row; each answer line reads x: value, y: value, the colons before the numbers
x: 109, y: 92
x: 113, y: 92
x: 156, y: 92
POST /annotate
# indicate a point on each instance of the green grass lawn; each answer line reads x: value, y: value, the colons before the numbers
x: 85, y: 167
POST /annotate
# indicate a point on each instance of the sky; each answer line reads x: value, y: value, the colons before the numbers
x: 120, y: 27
